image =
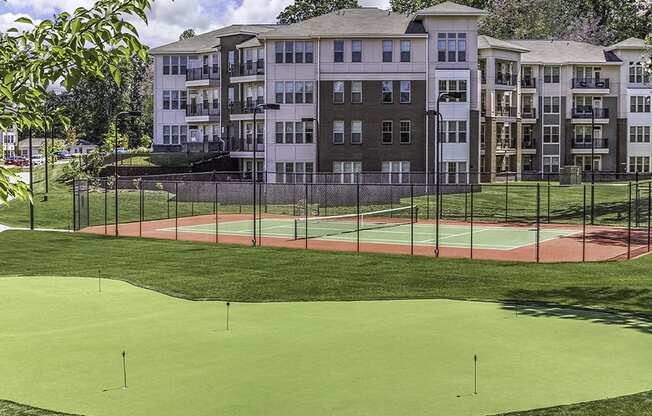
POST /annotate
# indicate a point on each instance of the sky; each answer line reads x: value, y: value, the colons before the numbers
x: 168, y: 18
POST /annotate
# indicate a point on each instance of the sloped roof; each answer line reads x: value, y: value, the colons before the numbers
x: 487, y: 42
x: 629, y: 44
x: 251, y: 43
x: 564, y: 52
x: 209, y: 41
x: 362, y: 22
x: 449, y: 8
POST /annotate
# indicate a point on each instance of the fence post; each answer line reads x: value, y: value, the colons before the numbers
x: 141, y: 195
x: 260, y: 213
x: 88, y: 202
x: 176, y: 210
x: 437, y: 217
x: 466, y: 203
x: 548, y: 205
x: 106, y: 204
x: 593, y: 199
x: 506, y: 197
x: 357, y: 195
x: 649, y: 212
x: 538, y: 220
x: 412, y: 219
x: 584, y: 224
x: 168, y: 192
x: 428, y: 203
x: 471, y: 186
x: 74, y: 204
x: 629, y: 222
x: 117, y: 211
x: 305, y: 205
x: 637, y: 203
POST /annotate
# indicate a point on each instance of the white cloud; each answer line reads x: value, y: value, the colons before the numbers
x: 8, y: 20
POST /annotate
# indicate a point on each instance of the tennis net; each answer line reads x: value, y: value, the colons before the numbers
x: 315, y: 227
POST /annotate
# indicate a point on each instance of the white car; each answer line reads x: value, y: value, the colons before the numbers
x: 38, y: 160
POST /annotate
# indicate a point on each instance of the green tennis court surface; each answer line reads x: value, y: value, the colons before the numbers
x: 486, y: 237
x: 61, y: 343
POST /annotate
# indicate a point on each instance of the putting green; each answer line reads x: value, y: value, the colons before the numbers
x: 61, y: 344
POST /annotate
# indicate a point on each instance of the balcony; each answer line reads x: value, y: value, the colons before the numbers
x: 505, y: 111
x: 529, y: 113
x: 203, y: 77
x: 528, y: 82
x: 206, y: 112
x: 246, y: 108
x: 248, y: 72
x: 506, y: 79
x: 585, y: 143
x: 591, y: 84
x: 529, y: 143
x: 505, y: 144
x: 583, y: 114
x: 242, y: 145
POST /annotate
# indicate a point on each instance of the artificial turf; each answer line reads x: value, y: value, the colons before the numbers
x: 348, y: 358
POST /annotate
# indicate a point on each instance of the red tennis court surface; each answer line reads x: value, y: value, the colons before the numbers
x: 506, y: 242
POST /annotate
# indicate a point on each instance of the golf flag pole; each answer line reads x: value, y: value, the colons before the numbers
x: 124, y: 367
x: 475, y: 374
x: 227, y: 315
x: 99, y: 280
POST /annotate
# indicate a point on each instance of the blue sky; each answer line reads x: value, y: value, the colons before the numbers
x: 168, y: 18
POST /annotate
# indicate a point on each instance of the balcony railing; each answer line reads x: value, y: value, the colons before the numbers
x: 593, y: 83
x: 245, y: 107
x: 505, y: 111
x: 528, y: 82
x: 506, y: 79
x: 505, y: 143
x: 584, y: 112
x: 202, y: 110
x: 206, y: 72
x: 581, y: 142
x: 529, y: 112
x: 239, y: 144
x: 529, y: 143
x: 250, y: 68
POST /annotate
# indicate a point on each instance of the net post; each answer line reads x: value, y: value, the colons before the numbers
x: 217, y: 219
x: 466, y: 203
x: 649, y: 213
x: 141, y: 197
x: 427, y: 203
x: 176, y: 210
x: 506, y: 197
x: 88, y: 202
x: 629, y: 222
x: 74, y: 204
x: 637, y: 203
x: 296, y: 231
x: 411, y: 219
x: 538, y: 207
x: 592, y: 198
x: 305, y: 209
x: 548, y: 204
x: 471, y: 248
x: 106, y: 204
x: 584, y: 223
x: 437, y: 217
x: 117, y: 209
x: 357, y: 196
x: 168, y: 192
x: 260, y: 214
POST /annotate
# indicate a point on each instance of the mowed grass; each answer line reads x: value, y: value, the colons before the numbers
x: 346, y: 358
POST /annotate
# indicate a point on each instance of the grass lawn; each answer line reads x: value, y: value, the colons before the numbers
x: 352, y: 358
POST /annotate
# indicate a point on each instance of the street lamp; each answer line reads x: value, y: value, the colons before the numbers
x: 258, y: 108
x: 115, y: 149
x: 438, y: 156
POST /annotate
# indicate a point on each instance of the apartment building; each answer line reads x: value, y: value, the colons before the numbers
x: 358, y: 91
x: 8, y: 139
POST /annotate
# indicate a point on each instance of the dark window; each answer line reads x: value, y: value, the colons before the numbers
x: 279, y: 132
x: 338, y: 51
x: 388, y: 132
x: 338, y: 92
x: 406, y: 51
x: 166, y: 100
x: 166, y: 65
x: 356, y: 51
x: 356, y: 92
x: 289, y: 92
x: 298, y: 52
x: 278, y: 49
x: 279, y: 91
x: 406, y: 92
x: 289, y: 52
x: 309, y: 92
x: 309, y: 53
x: 388, y: 93
x: 388, y: 50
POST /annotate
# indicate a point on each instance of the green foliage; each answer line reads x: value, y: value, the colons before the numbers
x: 187, y: 34
x: 306, y: 9
x: 411, y: 6
x: 82, y: 167
x: 109, y: 139
x: 11, y: 187
x: 145, y: 143
x: 65, y: 49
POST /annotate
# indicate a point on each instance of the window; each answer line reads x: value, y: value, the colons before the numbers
x: 356, y: 92
x: 639, y: 104
x: 638, y: 74
x: 551, y: 74
x: 388, y: 93
x: 338, y: 51
x: 338, y: 132
x: 174, y: 134
x: 551, y: 105
x: 551, y: 134
x: 289, y: 92
x: 406, y: 51
x: 309, y: 53
x: 166, y: 65
x: 166, y: 134
x: 231, y: 61
x: 406, y: 131
x: 396, y: 171
x: 174, y: 100
x: 347, y: 171
x: 299, y: 48
x: 183, y: 65
x: 551, y: 164
x: 299, y: 92
x: 639, y: 134
x: 452, y: 85
x: 279, y: 48
x: 309, y: 131
x: 166, y: 100
x: 356, y: 132
x: 406, y: 92
x: 289, y: 52
x: 289, y: 132
x: 356, y: 51
x: 298, y: 132
x: 388, y: 132
x: 278, y: 132
x: 294, y: 172
x: 175, y: 65
x: 455, y: 172
x: 639, y: 164
x: 338, y: 92
x: 454, y: 131
x: 388, y: 50
x: 279, y: 92
x: 451, y: 47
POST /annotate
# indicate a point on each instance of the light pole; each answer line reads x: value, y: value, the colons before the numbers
x: 438, y: 157
x: 258, y: 108
x: 115, y: 149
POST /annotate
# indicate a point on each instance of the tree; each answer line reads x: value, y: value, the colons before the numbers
x: 109, y: 139
x: 187, y: 34
x: 64, y: 49
x: 411, y: 6
x: 305, y: 9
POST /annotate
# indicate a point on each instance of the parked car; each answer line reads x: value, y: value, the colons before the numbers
x: 63, y: 155
x: 20, y: 161
x: 38, y: 160
x: 122, y: 150
x: 9, y: 160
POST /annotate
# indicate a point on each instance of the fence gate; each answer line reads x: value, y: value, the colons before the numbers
x: 81, y: 208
